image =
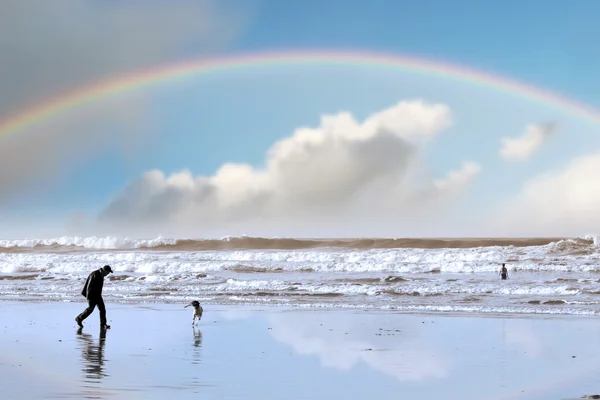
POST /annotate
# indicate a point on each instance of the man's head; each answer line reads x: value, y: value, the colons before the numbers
x: 106, y: 270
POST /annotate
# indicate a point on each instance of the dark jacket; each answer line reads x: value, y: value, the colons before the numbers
x: 93, y: 285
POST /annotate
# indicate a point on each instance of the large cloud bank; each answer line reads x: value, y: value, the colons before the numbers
x: 341, y: 178
x: 563, y: 202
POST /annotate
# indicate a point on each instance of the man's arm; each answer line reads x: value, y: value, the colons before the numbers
x: 85, y: 286
x: 93, y: 287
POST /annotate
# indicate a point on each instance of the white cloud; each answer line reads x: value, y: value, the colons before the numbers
x: 565, y: 202
x: 522, y: 147
x: 49, y: 48
x: 318, y: 181
x: 458, y: 178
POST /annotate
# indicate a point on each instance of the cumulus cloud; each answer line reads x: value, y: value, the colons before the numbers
x: 459, y: 178
x: 522, y: 147
x: 318, y: 180
x: 558, y: 203
x: 49, y: 48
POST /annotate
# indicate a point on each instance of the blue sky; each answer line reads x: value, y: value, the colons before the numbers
x: 549, y: 43
x: 236, y: 116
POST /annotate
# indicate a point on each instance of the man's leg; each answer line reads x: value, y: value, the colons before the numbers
x: 102, y: 310
x: 86, y: 313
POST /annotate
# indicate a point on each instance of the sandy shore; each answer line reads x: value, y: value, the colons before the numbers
x: 152, y: 352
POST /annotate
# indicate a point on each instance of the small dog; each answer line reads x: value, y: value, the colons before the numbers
x: 197, y: 313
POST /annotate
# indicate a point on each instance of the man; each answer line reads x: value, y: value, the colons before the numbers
x: 92, y: 290
x: 504, y: 272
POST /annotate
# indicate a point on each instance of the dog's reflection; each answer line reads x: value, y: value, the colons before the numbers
x: 92, y: 353
x: 197, y: 337
x: 197, y: 344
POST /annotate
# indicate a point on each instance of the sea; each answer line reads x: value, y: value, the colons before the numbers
x: 546, y: 275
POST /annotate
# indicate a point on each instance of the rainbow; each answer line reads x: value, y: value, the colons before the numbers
x: 164, y: 74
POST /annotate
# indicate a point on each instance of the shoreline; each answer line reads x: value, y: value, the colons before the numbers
x: 467, y: 312
x: 308, y: 308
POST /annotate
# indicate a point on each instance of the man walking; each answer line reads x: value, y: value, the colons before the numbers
x: 92, y: 290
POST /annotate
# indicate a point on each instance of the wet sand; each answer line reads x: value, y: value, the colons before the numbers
x: 152, y: 352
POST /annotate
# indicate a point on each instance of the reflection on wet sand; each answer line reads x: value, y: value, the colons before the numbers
x: 93, y: 356
x: 272, y: 353
x: 197, y: 337
x: 197, y: 380
x: 343, y: 341
x: 196, y: 358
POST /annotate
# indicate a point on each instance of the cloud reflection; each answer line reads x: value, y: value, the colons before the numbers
x: 521, y: 334
x: 344, y: 341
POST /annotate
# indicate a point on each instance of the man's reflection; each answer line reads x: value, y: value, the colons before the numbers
x: 93, y: 355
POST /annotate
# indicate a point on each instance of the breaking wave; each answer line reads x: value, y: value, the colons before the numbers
x: 446, y: 275
x: 582, y: 244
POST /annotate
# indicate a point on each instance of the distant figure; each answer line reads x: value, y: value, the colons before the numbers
x: 504, y: 272
x: 92, y: 290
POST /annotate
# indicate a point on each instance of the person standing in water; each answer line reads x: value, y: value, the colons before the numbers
x: 504, y: 272
x: 92, y: 290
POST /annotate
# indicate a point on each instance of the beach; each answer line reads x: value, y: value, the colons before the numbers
x: 274, y: 352
x: 303, y: 319
x: 545, y: 276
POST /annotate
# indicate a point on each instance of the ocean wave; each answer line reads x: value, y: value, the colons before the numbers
x: 394, y: 262
x: 207, y: 284
x: 259, y: 243
x: 426, y: 274
x: 574, y: 246
x: 92, y: 242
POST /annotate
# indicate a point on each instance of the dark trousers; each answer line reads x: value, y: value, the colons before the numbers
x: 92, y: 303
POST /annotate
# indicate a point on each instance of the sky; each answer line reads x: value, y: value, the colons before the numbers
x: 300, y: 150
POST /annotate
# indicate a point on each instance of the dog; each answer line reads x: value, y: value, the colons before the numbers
x: 197, y: 313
